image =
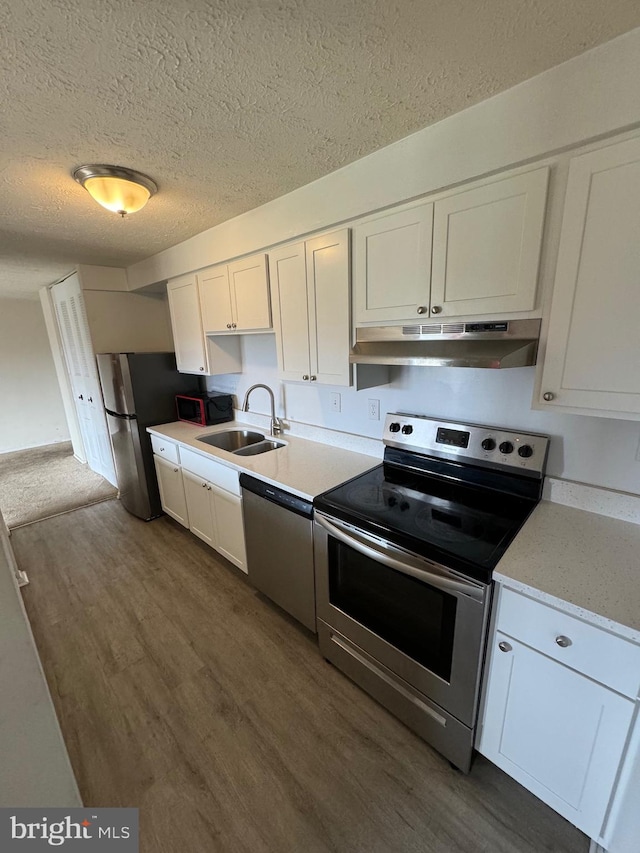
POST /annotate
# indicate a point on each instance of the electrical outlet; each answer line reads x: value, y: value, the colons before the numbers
x: 374, y: 410
x: 334, y: 401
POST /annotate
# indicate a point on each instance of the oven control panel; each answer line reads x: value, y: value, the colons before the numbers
x: 472, y: 443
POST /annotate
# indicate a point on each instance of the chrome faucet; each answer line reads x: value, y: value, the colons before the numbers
x: 276, y: 426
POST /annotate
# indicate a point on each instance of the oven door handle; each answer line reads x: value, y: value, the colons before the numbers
x: 420, y: 569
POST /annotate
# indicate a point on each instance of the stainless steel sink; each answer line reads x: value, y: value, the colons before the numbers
x: 233, y: 440
x: 261, y: 447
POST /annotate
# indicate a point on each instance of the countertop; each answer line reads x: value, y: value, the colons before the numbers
x: 304, y: 468
x: 582, y: 562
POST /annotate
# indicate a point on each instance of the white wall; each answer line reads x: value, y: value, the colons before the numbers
x: 599, y: 451
x: 31, y: 410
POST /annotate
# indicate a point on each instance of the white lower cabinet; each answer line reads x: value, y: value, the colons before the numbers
x: 214, y: 505
x: 197, y: 492
x: 227, y: 511
x: 550, y: 726
x: 171, y: 489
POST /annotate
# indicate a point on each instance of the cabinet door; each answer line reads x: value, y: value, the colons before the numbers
x: 196, y: 491
x: 81, y: 366
x: 486, y: 247
x: 250, y: 294
x: 555, y: 731
x: 592, y: 359
x: 215, y: 299
x: 186, y: 322
x: 327, y: 260
x: 288, y: 277
x: 229, y: 526
x: 393, y: 266
x: 171, y: 490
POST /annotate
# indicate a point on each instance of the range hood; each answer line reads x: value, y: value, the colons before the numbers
x: 490, y: 344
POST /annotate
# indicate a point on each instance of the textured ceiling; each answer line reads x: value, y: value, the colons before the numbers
x: 229, y: 104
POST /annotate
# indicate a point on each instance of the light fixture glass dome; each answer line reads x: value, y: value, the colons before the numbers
x: 116, y: 188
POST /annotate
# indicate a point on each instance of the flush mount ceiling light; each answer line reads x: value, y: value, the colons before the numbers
x: 116, y: 188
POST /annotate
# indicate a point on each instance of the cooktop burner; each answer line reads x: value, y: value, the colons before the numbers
x: 455, y: 500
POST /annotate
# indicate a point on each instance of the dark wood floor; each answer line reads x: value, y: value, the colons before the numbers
x: 182, y: 692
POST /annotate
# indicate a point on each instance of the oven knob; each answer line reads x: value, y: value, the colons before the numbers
x: 407, y: 429
x: 394, y: 427
x: 506, y: 447
x: 489, y: 444
x: 525, y: 451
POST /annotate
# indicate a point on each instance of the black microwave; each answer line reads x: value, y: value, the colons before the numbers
x: 204, y: 409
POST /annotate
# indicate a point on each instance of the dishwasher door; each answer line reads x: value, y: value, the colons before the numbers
x: 278, y: 529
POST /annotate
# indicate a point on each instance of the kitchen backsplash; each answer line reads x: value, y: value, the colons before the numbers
x: 599, y: 451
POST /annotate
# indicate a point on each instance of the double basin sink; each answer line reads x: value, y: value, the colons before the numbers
x: 241, y: 442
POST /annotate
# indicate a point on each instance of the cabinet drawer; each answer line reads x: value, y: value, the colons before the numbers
x: 216, y: 473
x: 608, y: 659
x: 165, y: 448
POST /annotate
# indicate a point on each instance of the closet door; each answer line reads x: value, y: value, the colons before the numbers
x: 80, y: 360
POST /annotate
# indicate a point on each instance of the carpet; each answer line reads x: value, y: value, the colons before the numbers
x: 45, y: 481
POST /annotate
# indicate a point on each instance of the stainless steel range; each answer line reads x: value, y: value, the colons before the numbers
x: 404, y: 557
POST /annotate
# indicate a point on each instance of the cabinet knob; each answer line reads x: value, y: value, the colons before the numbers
x: 175, y: 470
x: 228, y: 325
x: 504, y: 646
x: 305, y: 377
x: 421, y: 309
x: 234, y: 326
x: 162, y: 450
x: 208, y: 488
x: 312, y: 378
x: 563, y: 642
x: 548, y: 396
x: 80, y: 397
x: 202, y: 368
x: 204, y: 485
x: 91, y: 399
x: 436, y: 309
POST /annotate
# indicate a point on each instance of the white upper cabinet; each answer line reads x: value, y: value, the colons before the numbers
x: 392, y: 266
x: 310, y: 291
x: 472, y: 253
x: 486, y: 247
x: 235, y: 297
x: 186, y: 322
x: 592, y: 358
x: 195, y: 353
x: 215, y: 299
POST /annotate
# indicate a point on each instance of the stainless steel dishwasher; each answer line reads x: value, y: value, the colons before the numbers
x: 278, y: 528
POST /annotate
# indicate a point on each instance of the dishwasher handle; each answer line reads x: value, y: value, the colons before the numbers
x: 277, y: 496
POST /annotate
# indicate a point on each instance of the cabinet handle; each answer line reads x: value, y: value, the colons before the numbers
x: 162, y: 450
x: 91, y: 399
x: 563, y: 642
x: 305, y: 377
x: 421, y: 309
x: 312, y: 378
x: 504, y: 646
x: 548, y: 396
x: 436, y: 309
x: 228, y: 325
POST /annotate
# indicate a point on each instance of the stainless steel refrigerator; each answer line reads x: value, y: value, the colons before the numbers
x: 139, y: 391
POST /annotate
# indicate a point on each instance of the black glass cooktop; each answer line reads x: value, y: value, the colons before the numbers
x: 462, y: 526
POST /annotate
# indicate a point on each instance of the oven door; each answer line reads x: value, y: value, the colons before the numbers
x: 423, y: 622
